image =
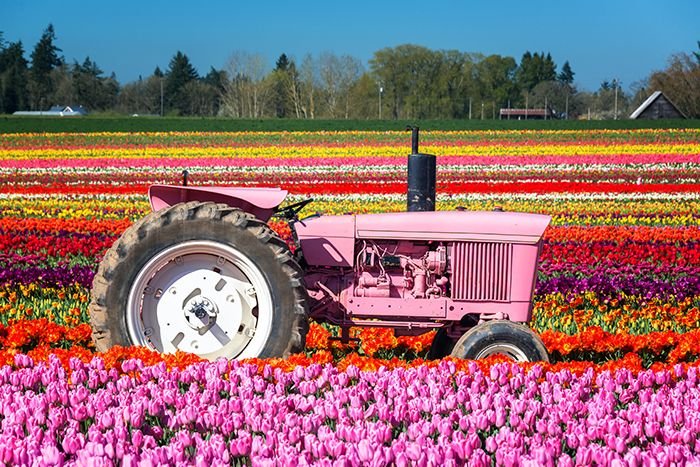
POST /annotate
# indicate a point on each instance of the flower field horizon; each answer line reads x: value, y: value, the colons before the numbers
x: 617, y: 305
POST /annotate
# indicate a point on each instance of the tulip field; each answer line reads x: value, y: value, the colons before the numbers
x: 617, y: 305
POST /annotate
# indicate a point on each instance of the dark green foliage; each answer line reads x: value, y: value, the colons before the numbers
x: 142, y: 97
x: 497, y: 81
x: 285, y: 88
x: 534, y: 69
x: 421, y: 83
x: 44, y: 60
x: 282, y: 63
x: 566, y: 75
x: 179, y: 74
x: 13, y: 78
x: 92, y: 90
x: 216, y: 80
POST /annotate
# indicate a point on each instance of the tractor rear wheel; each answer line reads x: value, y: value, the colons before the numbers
x: 203, y: 278
x: 500, y: 337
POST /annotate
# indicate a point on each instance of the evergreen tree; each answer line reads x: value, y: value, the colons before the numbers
x: 217, y: 80
x: 90, y: 88
x: 280, y: 97
x: 534, y: 69
x: 282, y: 63
x: 566, y: 76
x: 549, y: 69
x: 44, y: 59
x: 180, y: 72
x: 13, y: 77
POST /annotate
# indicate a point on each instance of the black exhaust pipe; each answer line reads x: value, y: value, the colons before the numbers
x: 421, y: 177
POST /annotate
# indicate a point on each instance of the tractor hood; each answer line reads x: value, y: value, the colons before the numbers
x: 476, y: 226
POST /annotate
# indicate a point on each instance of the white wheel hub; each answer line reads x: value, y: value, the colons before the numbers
x: 200, y: 312
x: 511, y: 351
x: 200, y: 297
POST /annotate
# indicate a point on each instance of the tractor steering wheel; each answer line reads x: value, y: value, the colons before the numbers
x: 292, y: 210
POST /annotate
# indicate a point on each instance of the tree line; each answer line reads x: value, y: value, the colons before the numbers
x: 403, y: 82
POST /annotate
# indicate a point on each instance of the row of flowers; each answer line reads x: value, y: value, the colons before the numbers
x: 616, y: 228
x: 601, y: 136
x: 309, y: 187
x: 609, y: 281
x: 230, y: 412
x: 447, y: 176
x: 285, y: 152
x: 558, y: 258
x: 575, y: 313
x: 569, y: 314
x: 376, y: 347
x: 100, y: 161
x: 588, y: 209
x: 653, y: 244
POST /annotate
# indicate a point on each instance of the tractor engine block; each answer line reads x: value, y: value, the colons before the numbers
x: 401, y: 269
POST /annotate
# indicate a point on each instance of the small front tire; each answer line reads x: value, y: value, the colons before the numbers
x: 499, y: 337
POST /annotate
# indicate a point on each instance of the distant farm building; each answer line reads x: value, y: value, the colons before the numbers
x: 56, y: 111
x: 526, y: 114
x: 657, y: 106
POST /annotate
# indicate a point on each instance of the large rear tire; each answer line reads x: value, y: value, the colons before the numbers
x: 500, y: 337
x: 203, y: 278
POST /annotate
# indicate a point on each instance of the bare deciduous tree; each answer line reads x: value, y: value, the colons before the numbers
x: 351, y: 70
x: 329, y: 71
x: 246, y: 91
x: 338, y: 74
x: 680, y: 82
x: 307, y: 76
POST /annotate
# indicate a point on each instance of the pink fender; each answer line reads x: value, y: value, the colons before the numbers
x: 261, y: 202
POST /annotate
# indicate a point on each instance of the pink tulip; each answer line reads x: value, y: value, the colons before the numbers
x: 402, y: 460
x: 51, y: 456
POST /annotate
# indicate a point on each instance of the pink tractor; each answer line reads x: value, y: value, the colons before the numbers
x: 205, y: 274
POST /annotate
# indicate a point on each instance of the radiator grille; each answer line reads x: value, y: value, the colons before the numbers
x: 482, y: 271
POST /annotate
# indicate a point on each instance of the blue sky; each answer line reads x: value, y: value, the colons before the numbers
x: 602, y: 40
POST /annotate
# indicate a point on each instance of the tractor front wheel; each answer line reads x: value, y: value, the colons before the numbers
x: 499, y: 337
x: 441, y: 346
x: 202, y: 278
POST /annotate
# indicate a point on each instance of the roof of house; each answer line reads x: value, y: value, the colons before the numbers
x: 57, y: 111
x: 650, y: 100
x: 533, y: 112
x: 68, y: 108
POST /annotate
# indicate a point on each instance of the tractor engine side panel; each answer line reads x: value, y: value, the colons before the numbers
x: 327, y: 240
x: 441, y: 280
